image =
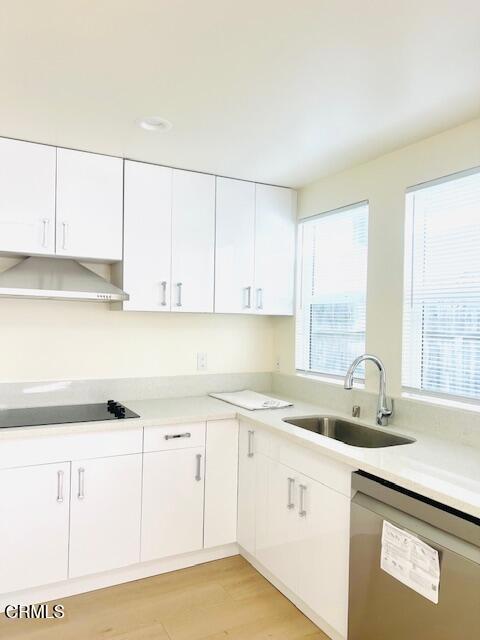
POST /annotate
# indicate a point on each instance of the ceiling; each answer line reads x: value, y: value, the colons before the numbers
x: 272, y: 90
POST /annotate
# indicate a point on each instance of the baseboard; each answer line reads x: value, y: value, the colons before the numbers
x: 75, y: 586
x: 304, y: 608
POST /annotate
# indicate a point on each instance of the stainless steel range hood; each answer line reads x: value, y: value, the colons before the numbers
x: 57, y: 278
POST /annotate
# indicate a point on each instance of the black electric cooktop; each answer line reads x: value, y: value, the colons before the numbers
x: 63, y: 414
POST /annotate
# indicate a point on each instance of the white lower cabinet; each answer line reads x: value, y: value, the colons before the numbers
x: 105, y: 514
x: 322, y: 551
x: 173, y: 499
x: 221, y: 482
x: 296, y: 527
x: 196, y: 485
x: 247, y: 462
x: 277, y: 523
x: 34, y: 512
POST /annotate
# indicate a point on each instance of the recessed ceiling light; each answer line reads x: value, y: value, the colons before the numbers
x: 155, y: 123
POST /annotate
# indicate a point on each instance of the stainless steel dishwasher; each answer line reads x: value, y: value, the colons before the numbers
x: 381, y: 607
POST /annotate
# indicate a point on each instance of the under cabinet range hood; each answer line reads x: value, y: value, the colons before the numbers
x: 57, y: 278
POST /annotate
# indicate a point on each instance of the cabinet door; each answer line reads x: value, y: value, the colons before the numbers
x: 105, y: 514
x: 324, y: 538
x: 277, y: 525
x: 27, y: 197
x: 221, y: 483
x: 234, y: 246
x: 34, y: 510
x: 246, y: 488
x: 147, y: 237
x: 172, y: 509
x: 89, y: 205
x: 275, y: 225
x: 193, y: 239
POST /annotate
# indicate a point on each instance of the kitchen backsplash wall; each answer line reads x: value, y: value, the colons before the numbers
x: 54, y: 340
x: 36, y: 394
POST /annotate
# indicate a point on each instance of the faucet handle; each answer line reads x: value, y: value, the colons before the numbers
x: 356, y: 411
x: 384, y: 412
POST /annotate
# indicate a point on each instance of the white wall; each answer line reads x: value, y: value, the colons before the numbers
x: 52, y: 340
x: 383, y: 182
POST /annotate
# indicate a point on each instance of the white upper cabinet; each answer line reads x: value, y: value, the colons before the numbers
x: 193, y: 241
x: 275, y: 225
x: 147, y: 236
x: 235, y: 246
x: 27, y: 197
x: 255, y: 248
x: 89, y: 205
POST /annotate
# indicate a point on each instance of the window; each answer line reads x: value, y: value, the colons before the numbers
x: 441, y: 343
x: 330, y: 327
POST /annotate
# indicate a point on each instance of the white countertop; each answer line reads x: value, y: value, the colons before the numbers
x: 434, y: 467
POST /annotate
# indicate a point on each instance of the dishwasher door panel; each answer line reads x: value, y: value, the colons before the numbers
x: 382, y: 608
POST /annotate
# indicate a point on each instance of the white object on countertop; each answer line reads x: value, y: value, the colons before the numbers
x: 251, y: 400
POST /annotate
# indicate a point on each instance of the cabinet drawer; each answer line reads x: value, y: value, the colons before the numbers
x: 178, y: 436
x: 329, y: 472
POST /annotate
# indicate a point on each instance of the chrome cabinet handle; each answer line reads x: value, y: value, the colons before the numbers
x: 260, y: 298
x: 60, y: 475
x: 251, y: 435
x: 198, y: 476
x: 64, y: 230
x: 179, y: 294
x: 170, y: 436
x: 302, y: 512
x: 291, y: 485
x: 45, y: 222
x: 81, y: 483
x: 164, y: 293
x: 247, y: 291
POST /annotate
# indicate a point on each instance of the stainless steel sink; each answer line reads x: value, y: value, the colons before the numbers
x: 350, y: 433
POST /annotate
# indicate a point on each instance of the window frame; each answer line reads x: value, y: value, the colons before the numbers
x: 337, y: 379
x: 439, y: 398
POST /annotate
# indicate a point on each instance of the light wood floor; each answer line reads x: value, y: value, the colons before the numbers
x: 222, y: 600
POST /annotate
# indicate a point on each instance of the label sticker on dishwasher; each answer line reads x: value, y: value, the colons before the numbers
x: 411, y: 561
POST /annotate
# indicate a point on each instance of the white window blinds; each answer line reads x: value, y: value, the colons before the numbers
x: 441, y: 344
x: 332, y: 282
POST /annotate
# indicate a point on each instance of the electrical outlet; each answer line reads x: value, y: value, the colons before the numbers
x: 201, y: 361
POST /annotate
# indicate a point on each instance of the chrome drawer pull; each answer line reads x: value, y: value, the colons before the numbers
x: 250, y: 443
x: 64, y: 241
x: 179, y: 294
x: 291, y: 485
x: 81, y: 483
x: 164, y: 293
x: 60, y: 475
x: 45, y: 222
x: 177, y: 435
x: 260, y: 298
x: 302, y: 512
x: 248, y: 292
x: 198, y: 476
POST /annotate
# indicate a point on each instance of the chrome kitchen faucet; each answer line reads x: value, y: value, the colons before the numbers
x: 384, y: 405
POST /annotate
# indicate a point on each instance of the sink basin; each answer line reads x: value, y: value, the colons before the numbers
x: 350, y: 433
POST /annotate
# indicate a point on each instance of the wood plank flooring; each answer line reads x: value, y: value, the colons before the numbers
x: 222, y: 600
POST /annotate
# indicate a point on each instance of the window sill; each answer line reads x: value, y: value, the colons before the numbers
x: 449, y: 403
x: 318, y: 377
